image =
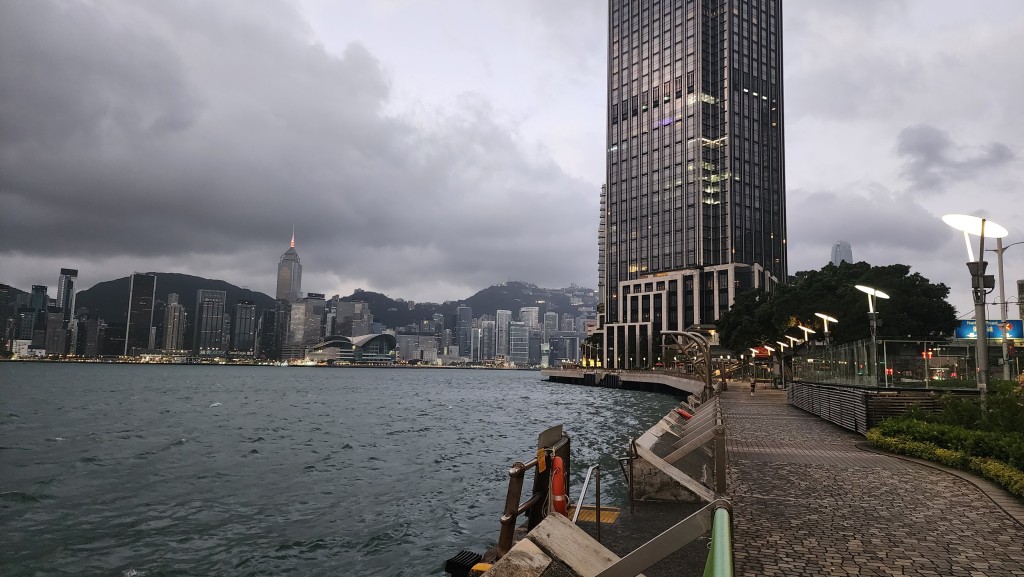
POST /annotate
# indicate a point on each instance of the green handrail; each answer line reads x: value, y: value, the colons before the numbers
x: 719, y: 563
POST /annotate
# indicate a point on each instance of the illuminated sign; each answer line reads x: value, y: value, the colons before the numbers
x: 1014, y: 329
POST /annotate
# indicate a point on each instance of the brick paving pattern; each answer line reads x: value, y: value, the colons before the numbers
x: 808, y: 502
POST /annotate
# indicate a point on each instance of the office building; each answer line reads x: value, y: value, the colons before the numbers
x: 174, y: 324
x: 530, y: 316
x: 550, y: 325
x: 289, y: 275
x: 502, y: 320
x: 464, y: 330
x: 519, y: 343
x: 841, y: 252
x: 244, y: 328
x: 66, y: 292
x: 210, y: 336
x: 694, y: 204
x: 306, y: 325
x: 1020, y: 298
x: 487, y: 340
x: 420, y: 348
x: 142, y: 295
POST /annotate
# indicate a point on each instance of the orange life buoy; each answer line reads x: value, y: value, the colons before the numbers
x: 684, y: 414
x: 558, y: 497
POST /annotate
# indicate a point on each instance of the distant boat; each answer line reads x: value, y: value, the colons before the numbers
x: 283, y: 364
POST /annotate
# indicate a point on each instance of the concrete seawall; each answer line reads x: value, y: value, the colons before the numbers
x: 631, y: 380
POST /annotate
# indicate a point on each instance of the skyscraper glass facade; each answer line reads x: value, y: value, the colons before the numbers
x: 695, y: 183
x: 140, y: 313
x: 289, y: 275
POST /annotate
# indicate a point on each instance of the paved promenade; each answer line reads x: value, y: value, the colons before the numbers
x: 809, y: 502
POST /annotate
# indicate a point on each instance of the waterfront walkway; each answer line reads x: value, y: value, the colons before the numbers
x: 810, y: 499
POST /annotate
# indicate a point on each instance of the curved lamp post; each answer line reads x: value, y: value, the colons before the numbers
x: 980, y: 282
x: 873, y: 295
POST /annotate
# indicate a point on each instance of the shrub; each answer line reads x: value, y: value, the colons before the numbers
x: 1005, y: 476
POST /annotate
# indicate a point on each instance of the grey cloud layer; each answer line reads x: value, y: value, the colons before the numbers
x: 155, y: 130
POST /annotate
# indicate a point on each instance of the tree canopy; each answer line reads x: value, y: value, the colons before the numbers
x: 916, y: 308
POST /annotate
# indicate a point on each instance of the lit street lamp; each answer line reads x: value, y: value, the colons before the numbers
x: 999, y: 250
x: 873, y: 295
x: 782, y: 363
x: 981, y: 283
x: 826, y: 319
x: 828, y: 338
x: 807, y: 332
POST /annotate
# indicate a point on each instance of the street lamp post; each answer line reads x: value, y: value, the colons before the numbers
x: 873, y: 295
x: 999, y: 250
x: 782, y: 364
x: 770, y: 350
x: 828, y: 338
x: 981, y: 283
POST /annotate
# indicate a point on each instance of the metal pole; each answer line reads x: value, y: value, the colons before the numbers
x: 598, y: 507
x: 1003, y: 313
x: 980, y: 325
x: 873, y: 372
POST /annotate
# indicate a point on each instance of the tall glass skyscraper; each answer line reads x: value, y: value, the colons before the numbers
x: 66, y: 292
x: 694, y: 205
x: 210, y: 337
x: 142, y: 293
x: 289, y: 275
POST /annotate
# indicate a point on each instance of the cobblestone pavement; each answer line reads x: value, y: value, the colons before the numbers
x: 808, y: 502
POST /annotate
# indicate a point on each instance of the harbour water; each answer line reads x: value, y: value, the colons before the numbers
x: 213, y: 470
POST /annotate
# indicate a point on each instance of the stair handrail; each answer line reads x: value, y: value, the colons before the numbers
x: 597, y: 496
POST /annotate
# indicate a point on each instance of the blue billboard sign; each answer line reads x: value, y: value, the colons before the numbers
x: 1014, y: 329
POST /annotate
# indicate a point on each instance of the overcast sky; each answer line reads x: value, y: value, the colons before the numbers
x: 429, y: 148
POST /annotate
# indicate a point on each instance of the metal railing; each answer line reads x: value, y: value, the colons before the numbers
x: 536, y: 506
x: 715, y: 516
x: 597, y: 497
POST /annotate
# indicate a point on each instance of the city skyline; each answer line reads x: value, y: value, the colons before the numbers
x: 882, y: 138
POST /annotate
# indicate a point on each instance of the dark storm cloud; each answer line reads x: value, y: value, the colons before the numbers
x: 932, y: 159
x: 171, y: 130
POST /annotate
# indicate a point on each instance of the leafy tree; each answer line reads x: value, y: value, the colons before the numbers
x: 916, y: 307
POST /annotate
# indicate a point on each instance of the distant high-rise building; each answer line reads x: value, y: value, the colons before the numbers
x: 487, y: 340
x: 267, y: 344
x: 210, y: 337
x: 550, y: 326
x: 307, y: 320
x: 244, y: 328
x: 502, y: 320
x: 842, y: 252
x: 1020, y: 298
x: 519, y: 343
x: 464, y: 330
x: 66, y: 292
x: 568, y: 323
x: 349, y: 318
x: 38, y: 299
x: 174, y: 324
x: 142, y: 294
x: 530, y: 316
x: 694, y: 209
x: 56, y: 332
x: 289, y: 275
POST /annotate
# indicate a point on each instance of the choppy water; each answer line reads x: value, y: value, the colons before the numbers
x: 200, y: 470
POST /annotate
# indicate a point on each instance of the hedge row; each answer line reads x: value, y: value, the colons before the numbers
x: 1005, y: 447
x: 996, y: 471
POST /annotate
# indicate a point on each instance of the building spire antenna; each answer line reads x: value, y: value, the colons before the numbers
x: 293, y: 236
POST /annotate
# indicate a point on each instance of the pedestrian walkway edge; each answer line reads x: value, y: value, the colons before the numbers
x: 999, y: 497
